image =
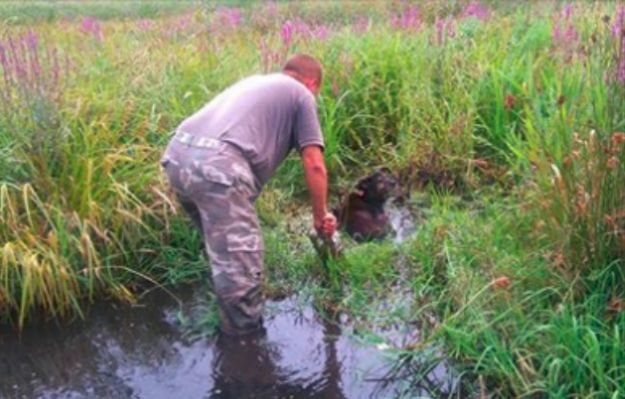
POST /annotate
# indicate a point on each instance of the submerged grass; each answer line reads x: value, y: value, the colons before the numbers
x: 519, y: 108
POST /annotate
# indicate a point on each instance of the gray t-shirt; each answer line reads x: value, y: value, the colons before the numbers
x: 265, y: 116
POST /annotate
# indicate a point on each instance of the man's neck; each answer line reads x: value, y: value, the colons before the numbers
x: 293, y: 75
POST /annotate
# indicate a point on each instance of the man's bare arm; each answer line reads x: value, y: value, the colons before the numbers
x: 317, y: 182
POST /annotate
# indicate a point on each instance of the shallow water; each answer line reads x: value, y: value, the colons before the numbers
x: 402, y: 221
x: 144, y: 351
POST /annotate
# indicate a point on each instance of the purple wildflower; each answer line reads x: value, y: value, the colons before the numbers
x: 445, y: 29
x: 87, y: 24
x: 361, y: 25
x: 302, y: 29
x: 570, y: 34
x: 269, y: 58
x: 287, y: 34
x: 619, y: 22
x: 563, y: 32
x: 32, y: 43
x: 31, y: 39
x: 30, y: 71
x: 16, y: 59
x: 229, y: 18
x: 266, y: 16
x: 556, y: 33
x: 321, y: 32
x: 476, y: 10
x: 440, y: 26
x: 144, y: 24
x: 92, y: 26
x: 3, y: 56
x: 182, y: 23
x: 567, y: 12
x: 408, y: 19
x: 235, y: 17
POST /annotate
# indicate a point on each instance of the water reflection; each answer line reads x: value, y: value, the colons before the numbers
x: 252, y: 367
x: 143, y: 352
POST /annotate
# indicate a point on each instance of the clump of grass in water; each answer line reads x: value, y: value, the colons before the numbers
x: 204, y: 321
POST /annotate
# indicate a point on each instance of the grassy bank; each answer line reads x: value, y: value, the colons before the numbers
x: 503, y: 121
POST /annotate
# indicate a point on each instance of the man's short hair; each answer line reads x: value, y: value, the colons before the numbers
x: 304, y: 66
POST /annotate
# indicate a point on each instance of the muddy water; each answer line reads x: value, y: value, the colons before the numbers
x: 146, y: 352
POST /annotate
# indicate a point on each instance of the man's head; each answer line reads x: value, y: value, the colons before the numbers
x: 305, y: 69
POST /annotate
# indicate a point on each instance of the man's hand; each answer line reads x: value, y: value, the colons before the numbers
x: 326, y: 226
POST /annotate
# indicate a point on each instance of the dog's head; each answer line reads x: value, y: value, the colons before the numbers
x: 377, y: 187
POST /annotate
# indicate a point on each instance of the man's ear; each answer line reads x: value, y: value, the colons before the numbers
x: 313, y: 84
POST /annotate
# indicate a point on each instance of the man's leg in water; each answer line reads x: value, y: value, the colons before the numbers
x: 232, y: 238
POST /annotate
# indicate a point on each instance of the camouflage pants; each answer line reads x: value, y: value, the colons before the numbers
x: 217, y: 189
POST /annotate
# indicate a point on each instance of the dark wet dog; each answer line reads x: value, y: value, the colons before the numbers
x: 362, y: 215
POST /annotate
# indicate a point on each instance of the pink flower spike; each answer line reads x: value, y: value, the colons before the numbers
x: 287, y: 33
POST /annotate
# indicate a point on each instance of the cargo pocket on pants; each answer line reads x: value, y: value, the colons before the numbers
x: 216, y: 175
x: 249, y: 243
x: 248, y: 253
